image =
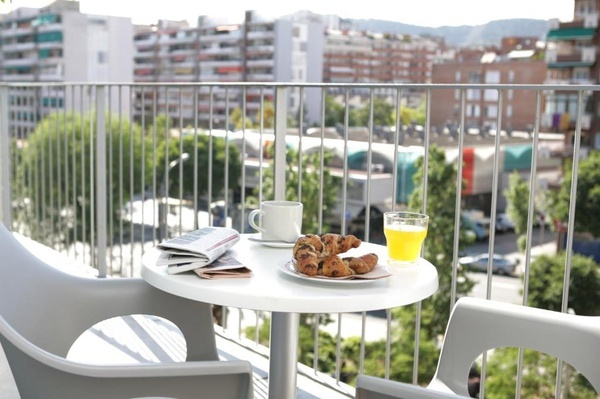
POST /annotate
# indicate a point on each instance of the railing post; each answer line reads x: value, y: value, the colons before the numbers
x: 101, y: 188
x: 5, y: 187
x: 279, y: 164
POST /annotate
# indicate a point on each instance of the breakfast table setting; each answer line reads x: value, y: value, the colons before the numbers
x: 285, y: 277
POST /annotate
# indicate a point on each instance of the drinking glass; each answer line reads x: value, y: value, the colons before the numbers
x: 404, y: 233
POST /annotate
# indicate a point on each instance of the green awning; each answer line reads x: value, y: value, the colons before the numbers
x: 571, y: 33
x: 517, y: 157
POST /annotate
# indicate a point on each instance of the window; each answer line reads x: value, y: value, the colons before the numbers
x: 491, y: 111
x: 473, y: 110
x: 492, y: 77
x: 511, y: 76
x: 457, y: 76
x: 473, y: 94
x: 509, y: 111
x: 490, y: 95
x: 101, y: 57
x: 474, y: 77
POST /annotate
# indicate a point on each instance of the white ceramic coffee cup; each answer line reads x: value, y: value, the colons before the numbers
x: 278, y: 220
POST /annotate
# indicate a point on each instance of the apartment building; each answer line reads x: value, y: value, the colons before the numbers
x: 365, y: 57
x: 517, y: 109
x: 573, y: 57
x: 59, y: 44
x: 255, y: 50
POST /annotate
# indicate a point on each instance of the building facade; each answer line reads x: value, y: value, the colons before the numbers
x: 59, y: 44
x: 483, y: 107
x: 573, y: 58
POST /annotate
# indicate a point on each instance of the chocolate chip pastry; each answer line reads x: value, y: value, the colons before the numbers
x: 318, y: 254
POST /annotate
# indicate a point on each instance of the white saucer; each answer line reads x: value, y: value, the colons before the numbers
x: 258, y: 240
x: 278, y: 244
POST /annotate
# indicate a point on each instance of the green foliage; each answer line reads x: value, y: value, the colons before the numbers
x: 546, y: 284
x: 409, y: 115
x: 517, y: 197
x: 59, y: 174
x: 439, y: 244
x: 311, y: 187
x: 383, y: 114
x: 334, y: 112
x: 587, y: 200
x: 401, y: 357
x: 538, y: 378
x: 220, y: 164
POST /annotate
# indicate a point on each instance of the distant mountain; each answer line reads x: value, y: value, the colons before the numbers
x: 464, y: 36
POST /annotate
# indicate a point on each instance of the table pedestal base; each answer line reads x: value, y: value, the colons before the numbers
x: 283, y: 362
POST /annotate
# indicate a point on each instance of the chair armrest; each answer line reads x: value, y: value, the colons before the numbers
x: 369, y: 387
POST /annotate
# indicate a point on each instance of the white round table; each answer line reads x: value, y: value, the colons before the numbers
x: 286, y: 296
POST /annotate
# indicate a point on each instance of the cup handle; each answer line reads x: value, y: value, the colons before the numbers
x: 252, y: 217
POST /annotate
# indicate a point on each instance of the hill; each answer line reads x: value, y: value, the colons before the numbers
x: 464, y: 36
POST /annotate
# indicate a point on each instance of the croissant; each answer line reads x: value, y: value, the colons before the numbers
x: 316, y: 254
x: 334, y: 266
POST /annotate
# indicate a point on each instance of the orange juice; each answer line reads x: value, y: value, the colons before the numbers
x: 404, y: 242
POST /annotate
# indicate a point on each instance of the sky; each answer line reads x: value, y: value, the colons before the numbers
x: 431, y: 13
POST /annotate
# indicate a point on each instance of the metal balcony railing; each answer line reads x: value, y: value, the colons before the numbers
x: 102, y: 177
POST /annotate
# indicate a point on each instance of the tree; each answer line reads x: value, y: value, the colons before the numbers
x: 238, y: 120
x: 517, y: 195
x: 539, y: 376
x: 546, y: 284
x: 439, y: 243
x: 58, y: 172
x: 439, y: 249
x: 310, y: 189
x: 587, y: 200
x: 383, y: 114
x: 199, y: 146
x: 334, y: 112
x: 517, y: 198
x: 268, y: 115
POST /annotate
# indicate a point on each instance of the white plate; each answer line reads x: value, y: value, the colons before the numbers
x: 289, y: 269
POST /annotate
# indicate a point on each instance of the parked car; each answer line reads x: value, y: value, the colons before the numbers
x: 480, y: 228
x: 500, y: 264
x: 503, y: 223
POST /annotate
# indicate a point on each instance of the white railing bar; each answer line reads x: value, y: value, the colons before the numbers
x: 367, y: 225
x: 243, y: 166
x: 322, y: 160
x: 209, y: 192
x: 300, y: 130
x: 343, y: 222
x: 101, y: 188
x: 110, y: 235
x: 279, y: 163
x: 5, y: 197
x: 277, y: 85
x: 570, y: 228
x: 457, y: 204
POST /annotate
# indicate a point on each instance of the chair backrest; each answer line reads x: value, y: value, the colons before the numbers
x: 35, y: 294
x: 478, y: 325
x: 51, y: 308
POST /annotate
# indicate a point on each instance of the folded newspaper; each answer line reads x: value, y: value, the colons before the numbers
x: 204, y: 252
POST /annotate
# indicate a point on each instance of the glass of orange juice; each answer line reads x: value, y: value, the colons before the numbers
x: 404, y: 233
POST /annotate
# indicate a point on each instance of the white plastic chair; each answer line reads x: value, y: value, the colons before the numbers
x: 478, y: 325
x: 43, y: 310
